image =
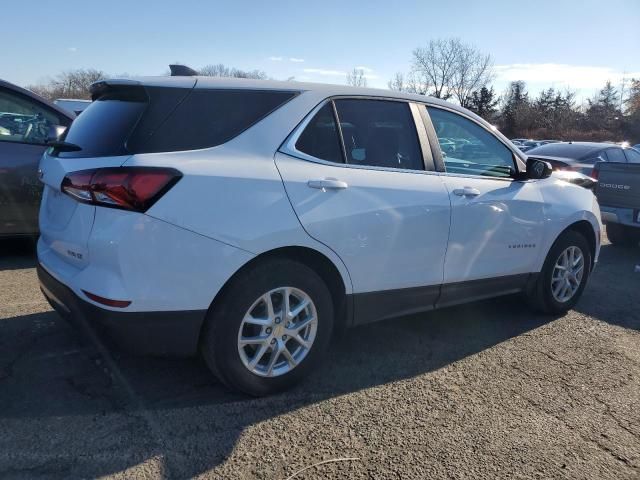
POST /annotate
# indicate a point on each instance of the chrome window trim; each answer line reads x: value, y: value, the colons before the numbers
x: 288, y: 147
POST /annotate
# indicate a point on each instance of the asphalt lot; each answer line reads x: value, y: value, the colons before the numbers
x: 482, y: 391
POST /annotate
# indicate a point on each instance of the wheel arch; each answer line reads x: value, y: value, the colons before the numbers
x: 315, y: 260
x: 584, y: 228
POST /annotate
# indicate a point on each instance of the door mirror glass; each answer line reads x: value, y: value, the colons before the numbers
x: 538, y: 169
x: 55, y: 133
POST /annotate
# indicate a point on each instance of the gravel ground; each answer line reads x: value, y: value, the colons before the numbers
x: 488, y: 390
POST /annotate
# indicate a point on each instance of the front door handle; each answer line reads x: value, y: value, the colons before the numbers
x: 328, y: 184
x: 467, y: 192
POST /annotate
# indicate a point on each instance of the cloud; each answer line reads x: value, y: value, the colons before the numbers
x: 561, y: 75
x: 72, y: 49
x: 275, y: 59
x: 365, y: 69
x: 296, y: 60
x: 323, y: 72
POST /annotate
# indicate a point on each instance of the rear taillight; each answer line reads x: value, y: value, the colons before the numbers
x: 129, y: 188
x: 594, y: 173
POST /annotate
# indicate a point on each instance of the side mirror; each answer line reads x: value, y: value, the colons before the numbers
x: 538, y: 169
x: 55, y: 133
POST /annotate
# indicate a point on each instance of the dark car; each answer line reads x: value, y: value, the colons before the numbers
x: 26, y: 121
x: 582, y: 156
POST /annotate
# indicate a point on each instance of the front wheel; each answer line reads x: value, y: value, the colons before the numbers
x: 564, y: 275
x: 270, y: 327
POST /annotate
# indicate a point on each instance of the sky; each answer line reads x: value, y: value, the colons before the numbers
x: 579, y: 44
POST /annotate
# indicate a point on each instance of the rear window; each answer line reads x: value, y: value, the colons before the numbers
x: 103, y: 128
x: 154, y: 119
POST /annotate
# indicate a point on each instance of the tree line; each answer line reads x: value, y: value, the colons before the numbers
x: 453, y: 70
x: 456, y: 71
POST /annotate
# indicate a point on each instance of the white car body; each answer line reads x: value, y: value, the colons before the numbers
x: 401, y: 240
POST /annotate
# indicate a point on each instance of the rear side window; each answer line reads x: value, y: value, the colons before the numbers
x: 379, y: 133
x: 616, y: 155
x: 207, y: 118
x: 144, y: 120
x: 320, y: 138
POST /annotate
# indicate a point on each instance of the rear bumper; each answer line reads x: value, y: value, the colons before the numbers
x: 170, y: 333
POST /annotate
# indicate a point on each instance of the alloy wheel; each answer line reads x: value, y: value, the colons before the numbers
x: 277, y: 332
x: 567, y: 274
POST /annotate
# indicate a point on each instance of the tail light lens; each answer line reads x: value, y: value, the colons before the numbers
x: 594, y: 173
x: 129, y: 188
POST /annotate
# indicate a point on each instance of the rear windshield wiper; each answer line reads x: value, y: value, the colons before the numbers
x: 64, y: 146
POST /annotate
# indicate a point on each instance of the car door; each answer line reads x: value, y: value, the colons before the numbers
x: 24, y: 125
x: 496, y: 221
x: 362, y: 187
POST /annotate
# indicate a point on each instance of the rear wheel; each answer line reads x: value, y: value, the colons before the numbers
x: 564, y: 275
x: 622, y: 235
x: 270, y: 327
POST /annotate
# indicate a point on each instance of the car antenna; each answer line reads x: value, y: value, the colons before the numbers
x: 182, y: 71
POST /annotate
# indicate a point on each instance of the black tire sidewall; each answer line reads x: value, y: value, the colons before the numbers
x: 566, y: 240
x: 220, y: 338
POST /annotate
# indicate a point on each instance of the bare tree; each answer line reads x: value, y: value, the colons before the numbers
x: 434, y: 66
x: 406, y: 83
x: 357, y: 78
x: 397, y: 83
x: 472, y: 71
x: 221, y: 70
x: 69, y: 84
x: 449, y: 67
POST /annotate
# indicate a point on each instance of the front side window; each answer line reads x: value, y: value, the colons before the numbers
x: 23, y: 120
x: 468, y: 148
x: 379, y: 133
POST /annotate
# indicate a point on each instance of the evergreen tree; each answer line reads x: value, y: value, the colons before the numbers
x: 515, y: 108
x: 484, y: 103
x: 603, y: 111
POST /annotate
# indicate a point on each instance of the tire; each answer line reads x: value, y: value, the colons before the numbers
x: 622, y: 236
x: 541, y: 294
x: 245, y: 298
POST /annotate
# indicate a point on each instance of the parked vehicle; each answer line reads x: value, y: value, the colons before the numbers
x: 249, y: 219
x: 618, y: 192
x: 74, y: 105
x: 26, y: 120
x: 582, y: 156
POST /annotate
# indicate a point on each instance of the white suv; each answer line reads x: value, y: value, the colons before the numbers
x: 249, y: 219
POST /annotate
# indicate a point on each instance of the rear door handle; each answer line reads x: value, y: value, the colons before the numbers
x: 328, y: 184
x: 466, y: 192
